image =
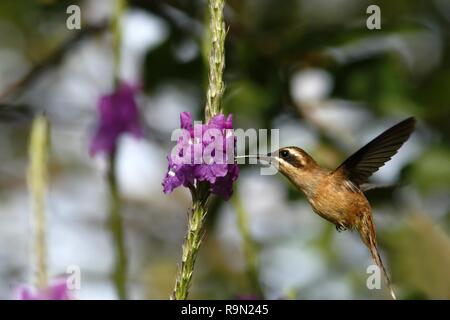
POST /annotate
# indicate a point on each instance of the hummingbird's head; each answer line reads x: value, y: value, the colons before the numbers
x: 298, y: 166
x: 295, y: 164
x: 291, y: 160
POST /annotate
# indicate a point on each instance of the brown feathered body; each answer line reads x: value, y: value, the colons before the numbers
x: 331, y: 195
x: 336, y: 195
x: 339, y: 201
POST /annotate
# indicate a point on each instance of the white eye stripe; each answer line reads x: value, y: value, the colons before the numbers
x: 294, y: 160
x: 293, y: 151
x: 296, y: 154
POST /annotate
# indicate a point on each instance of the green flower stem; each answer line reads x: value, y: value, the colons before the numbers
x: 117, y: 231
x: 216, y: 59
x: 115, y: 207
x: 250, y: 250
x: 200, y: 194
x: 116, y: 29
x: 191, y: 246
x: 37, y: 183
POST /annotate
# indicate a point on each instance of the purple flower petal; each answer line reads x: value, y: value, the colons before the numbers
x: 118, y: 114
x: 223, y: 186
x: 56, y: 290
x: 203, y: 142
x: 186, y: 174
x: 209, y: 172
x: 171, y: 181
x: 218, y: 121
x: 229, y: 122
x: 186, y: 121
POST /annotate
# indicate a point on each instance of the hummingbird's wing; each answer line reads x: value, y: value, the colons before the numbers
x: 360, y: 166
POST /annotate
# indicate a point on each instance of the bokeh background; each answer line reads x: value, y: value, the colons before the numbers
x: 310, y: 68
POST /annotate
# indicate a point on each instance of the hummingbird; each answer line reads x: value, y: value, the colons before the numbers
x: 338, y: 195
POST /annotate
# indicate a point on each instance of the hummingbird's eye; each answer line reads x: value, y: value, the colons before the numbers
x: 284, y: 154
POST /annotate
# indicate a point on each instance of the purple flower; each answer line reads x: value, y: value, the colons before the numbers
x: 204, y: 152
x: 57, y: 290
x: 118, y: 114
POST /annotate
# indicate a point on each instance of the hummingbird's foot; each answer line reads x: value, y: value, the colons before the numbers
x: 341, y: 227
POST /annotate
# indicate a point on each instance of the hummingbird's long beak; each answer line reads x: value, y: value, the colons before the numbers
x: 262, y: 157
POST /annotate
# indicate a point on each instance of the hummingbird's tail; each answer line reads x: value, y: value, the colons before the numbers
x: 367, y: 233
